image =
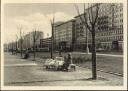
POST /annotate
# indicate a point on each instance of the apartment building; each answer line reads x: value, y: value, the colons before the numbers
x: 45, y: 43
x: 109, y: 28
x: 63, y: 35
x: 28, y: 40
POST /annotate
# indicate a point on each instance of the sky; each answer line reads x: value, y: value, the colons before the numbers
x: 35, y: 15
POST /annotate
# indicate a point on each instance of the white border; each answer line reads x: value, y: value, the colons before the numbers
x: 124, y: 87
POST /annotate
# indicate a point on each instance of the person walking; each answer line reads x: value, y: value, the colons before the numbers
x: 68, y: 61
x: 26, y: 54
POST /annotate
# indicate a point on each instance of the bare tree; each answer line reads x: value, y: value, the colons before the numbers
x: 52, y: 37
x: 89, y: 20
x: 20, y: 28
x: 16, y: 43
x: 52, y: 22
x: 12, y: 47
x: 35, y: 34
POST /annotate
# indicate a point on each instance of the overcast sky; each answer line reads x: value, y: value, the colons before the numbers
x: 34, y: 15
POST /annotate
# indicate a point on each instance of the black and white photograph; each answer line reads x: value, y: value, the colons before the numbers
x: 75, y: 45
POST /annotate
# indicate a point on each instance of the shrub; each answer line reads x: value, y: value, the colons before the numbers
x: 81, y: 59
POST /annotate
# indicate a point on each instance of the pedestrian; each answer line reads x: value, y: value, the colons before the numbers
x: 26, y: 54
x: 70, y: 58
x: 64, y: 65
x: 68, y: 61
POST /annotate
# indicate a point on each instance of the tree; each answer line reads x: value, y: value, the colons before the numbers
x: 12, y: 47
x: 89, y: 20
x: 35, y: 34
x: 52, y: 21
x: 16, y: 43
x: 52, y: 37
x: 20, y: 28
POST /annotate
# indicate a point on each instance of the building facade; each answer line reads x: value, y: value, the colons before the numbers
x: 63, y: 35
x: 45, y: 44
x: 28, y: 40
x: 109, y: 29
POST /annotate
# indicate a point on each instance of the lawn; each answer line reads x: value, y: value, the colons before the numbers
x: 106, y: 63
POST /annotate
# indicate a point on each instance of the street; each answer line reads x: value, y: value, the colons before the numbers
x: 20, y: 72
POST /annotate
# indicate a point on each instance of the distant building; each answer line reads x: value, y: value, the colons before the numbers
x: 63, y: 35
x: 28, y: 40
x: 45, y: 43
x: 6, y: 47
x: 10, y: 46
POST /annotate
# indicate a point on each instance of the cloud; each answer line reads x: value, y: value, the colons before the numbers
x: 60, y: 16
x: 29, y: 22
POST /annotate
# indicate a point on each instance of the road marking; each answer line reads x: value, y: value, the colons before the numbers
x: 12, y: 65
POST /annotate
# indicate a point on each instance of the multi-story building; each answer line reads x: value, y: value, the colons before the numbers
x: 80, y: 32
x: 10, y: 46
x: 109, y: 28
x: 6, y: 47
x: 63, y: 35
x: 28, y: 40
x: 45, y: 43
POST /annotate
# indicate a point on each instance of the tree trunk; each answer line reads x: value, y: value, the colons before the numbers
x: 12, y: 49
x: 87, y: 49
x: 16, y: 48
x: 21, y: 48
x: 52, y: 48
x: 52, y: 41
x: 34, y: 52
x: 94, y: 75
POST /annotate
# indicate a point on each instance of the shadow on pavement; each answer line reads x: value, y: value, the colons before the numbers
x: 86, y: 79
